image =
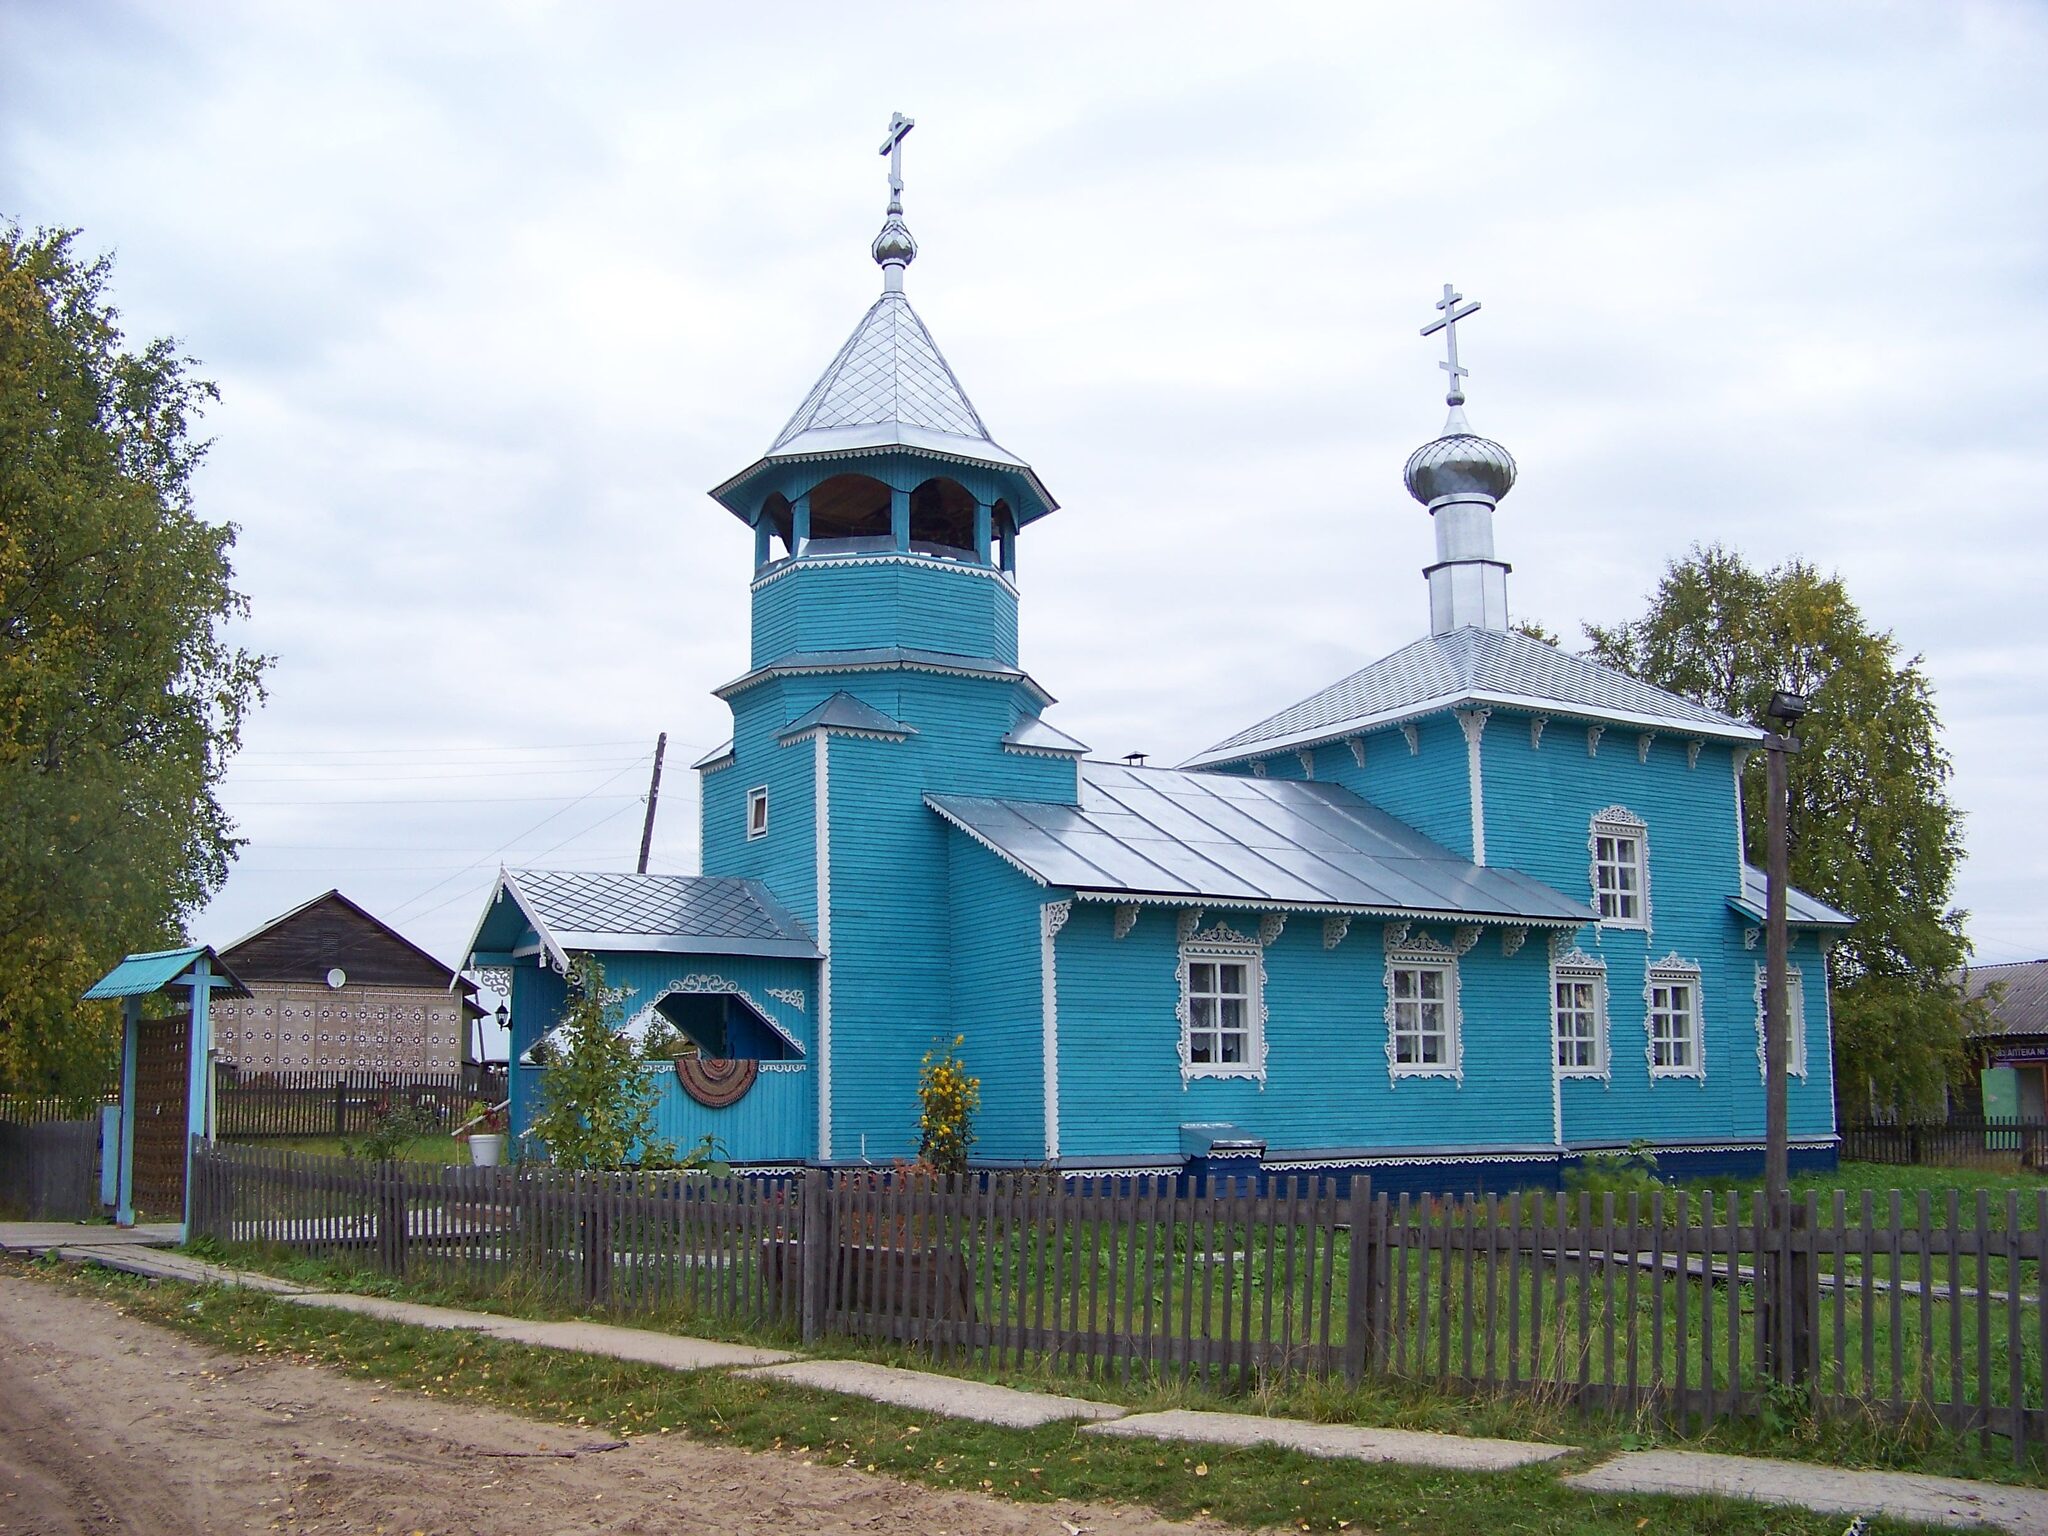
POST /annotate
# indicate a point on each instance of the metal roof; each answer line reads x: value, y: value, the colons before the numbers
x: 1032, y: 734
x: 150, y: 972
x: 891, y: 387
x: 1163, y: 834
x: 843, y: 712
x: 1473, y: 666
x: 1802, y: 910
x: 2021, y: 1005
x: 890, y: 373
x: 667, y: 914
x: 717, y: 754
x: 881, y: 658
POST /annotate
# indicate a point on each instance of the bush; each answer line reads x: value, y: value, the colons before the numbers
x: 1620, y: 1174
x: 597, y: 1092
x: 948, y: 1095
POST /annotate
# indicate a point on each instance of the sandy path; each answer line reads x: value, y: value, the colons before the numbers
x: 111, y: 1424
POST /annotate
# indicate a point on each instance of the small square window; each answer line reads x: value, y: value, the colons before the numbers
x: 757, y: 812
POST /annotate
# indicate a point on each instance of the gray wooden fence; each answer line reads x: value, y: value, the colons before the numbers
x: 1654, y: 1305
x: 51, y: 1171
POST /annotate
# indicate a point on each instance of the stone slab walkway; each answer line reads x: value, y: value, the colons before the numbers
x: 157, y: 1264
x: 669, y: 1350
x: 34, y: 1237
x: 1831, y: 1490
x: 1414, y: 1448
x: 947, y: 1396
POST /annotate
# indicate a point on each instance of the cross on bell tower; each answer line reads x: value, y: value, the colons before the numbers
x: 892, y: 146
x: 894, y: 248
x: 1454, y: 309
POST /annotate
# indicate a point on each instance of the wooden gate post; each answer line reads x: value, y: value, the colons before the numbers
x: 595, y: 1230
x: 813, y: 1255
x: 391, y: 1218
x: 1361, y: 1341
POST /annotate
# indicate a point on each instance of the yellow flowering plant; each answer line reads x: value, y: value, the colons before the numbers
x: 948, y: 1095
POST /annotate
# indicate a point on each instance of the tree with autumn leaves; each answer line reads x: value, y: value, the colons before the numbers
x: 1873, y: 831
x: 121, y: 694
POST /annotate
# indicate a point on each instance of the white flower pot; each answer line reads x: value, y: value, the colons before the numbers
x: 486, y: 1151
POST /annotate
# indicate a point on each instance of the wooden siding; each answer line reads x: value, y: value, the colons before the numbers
x: 1327, y: 1086
x: 827, y: 605
x: 893, y: 991
x: 328, y: 932
x: 996, y: 997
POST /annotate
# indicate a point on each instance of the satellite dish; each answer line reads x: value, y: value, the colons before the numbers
x: 337, y: 978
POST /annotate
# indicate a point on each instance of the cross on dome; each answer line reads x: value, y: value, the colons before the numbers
x: 1454, y: 309
x: 892, y: 146
x: 894, y: 248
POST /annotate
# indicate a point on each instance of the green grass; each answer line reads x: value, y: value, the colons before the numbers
x: 1261, y: 1487
x: 428, y: 1149
x: 1785, y: 1427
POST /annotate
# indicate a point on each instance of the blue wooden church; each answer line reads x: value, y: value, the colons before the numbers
x: 1456, y: 919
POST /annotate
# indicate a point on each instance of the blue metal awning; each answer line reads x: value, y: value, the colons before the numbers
x: 153, y: 971
x: 1801, y: 910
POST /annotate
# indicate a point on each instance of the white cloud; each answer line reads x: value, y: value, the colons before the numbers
x: 494, y: 292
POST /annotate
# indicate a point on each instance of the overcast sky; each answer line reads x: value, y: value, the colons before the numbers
x: 494, y: 293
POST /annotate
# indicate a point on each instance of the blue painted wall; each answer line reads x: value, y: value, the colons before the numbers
x: 995, y: 999
x: 1327, y: 1083
x: 855, y: 603
x: 893, y: 915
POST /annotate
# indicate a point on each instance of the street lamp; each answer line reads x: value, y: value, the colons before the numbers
x: 1785, y: 711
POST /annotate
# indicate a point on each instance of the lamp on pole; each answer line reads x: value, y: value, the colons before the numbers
x: 1785, y: 712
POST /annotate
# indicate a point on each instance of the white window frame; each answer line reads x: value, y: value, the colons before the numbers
x: 1424, y: 960
x: 1249, y: 954
x: 1795, y: 1021
x: 1667, y: 973
x: 757, y: 800
x: 1576, y: 969
x: 1616, y: 822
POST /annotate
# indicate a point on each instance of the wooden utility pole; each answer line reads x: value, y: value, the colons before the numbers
x: 653, y: 794
x: 1785, y: 1288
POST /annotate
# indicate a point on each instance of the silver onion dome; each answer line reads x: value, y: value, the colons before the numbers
x: 1459, y: 464
x: 894, y: 245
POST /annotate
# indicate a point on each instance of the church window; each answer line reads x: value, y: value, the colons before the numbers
x: 1672, y: 993
x: 1795, y: 1021
x: 1621, y: 868
x: 1579, y: 1013
x: 1220, y: 1012
x: 757, y: 812
x: 1422, y: 1017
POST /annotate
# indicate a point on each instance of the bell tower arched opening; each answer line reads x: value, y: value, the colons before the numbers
x: 1003, y: 530
x: 942, y: 520
x: 850, y: 512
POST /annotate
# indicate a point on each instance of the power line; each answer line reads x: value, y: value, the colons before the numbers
x: 448, y: 799
x: 560, y: 746
x: 521, y: 836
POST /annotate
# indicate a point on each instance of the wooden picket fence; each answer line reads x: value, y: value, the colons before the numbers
x: 50, y: 1170
x: 273, y: 1105
x: 1660, y: 1306
x: 1961, y: 1141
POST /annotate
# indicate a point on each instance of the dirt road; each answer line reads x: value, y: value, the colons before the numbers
x: 109, y: 1424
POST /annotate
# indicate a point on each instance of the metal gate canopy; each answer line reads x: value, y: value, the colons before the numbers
x: 199, y: 972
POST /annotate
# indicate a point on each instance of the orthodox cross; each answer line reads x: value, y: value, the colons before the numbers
x: 1455, y: 309
x: 892, y: 146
